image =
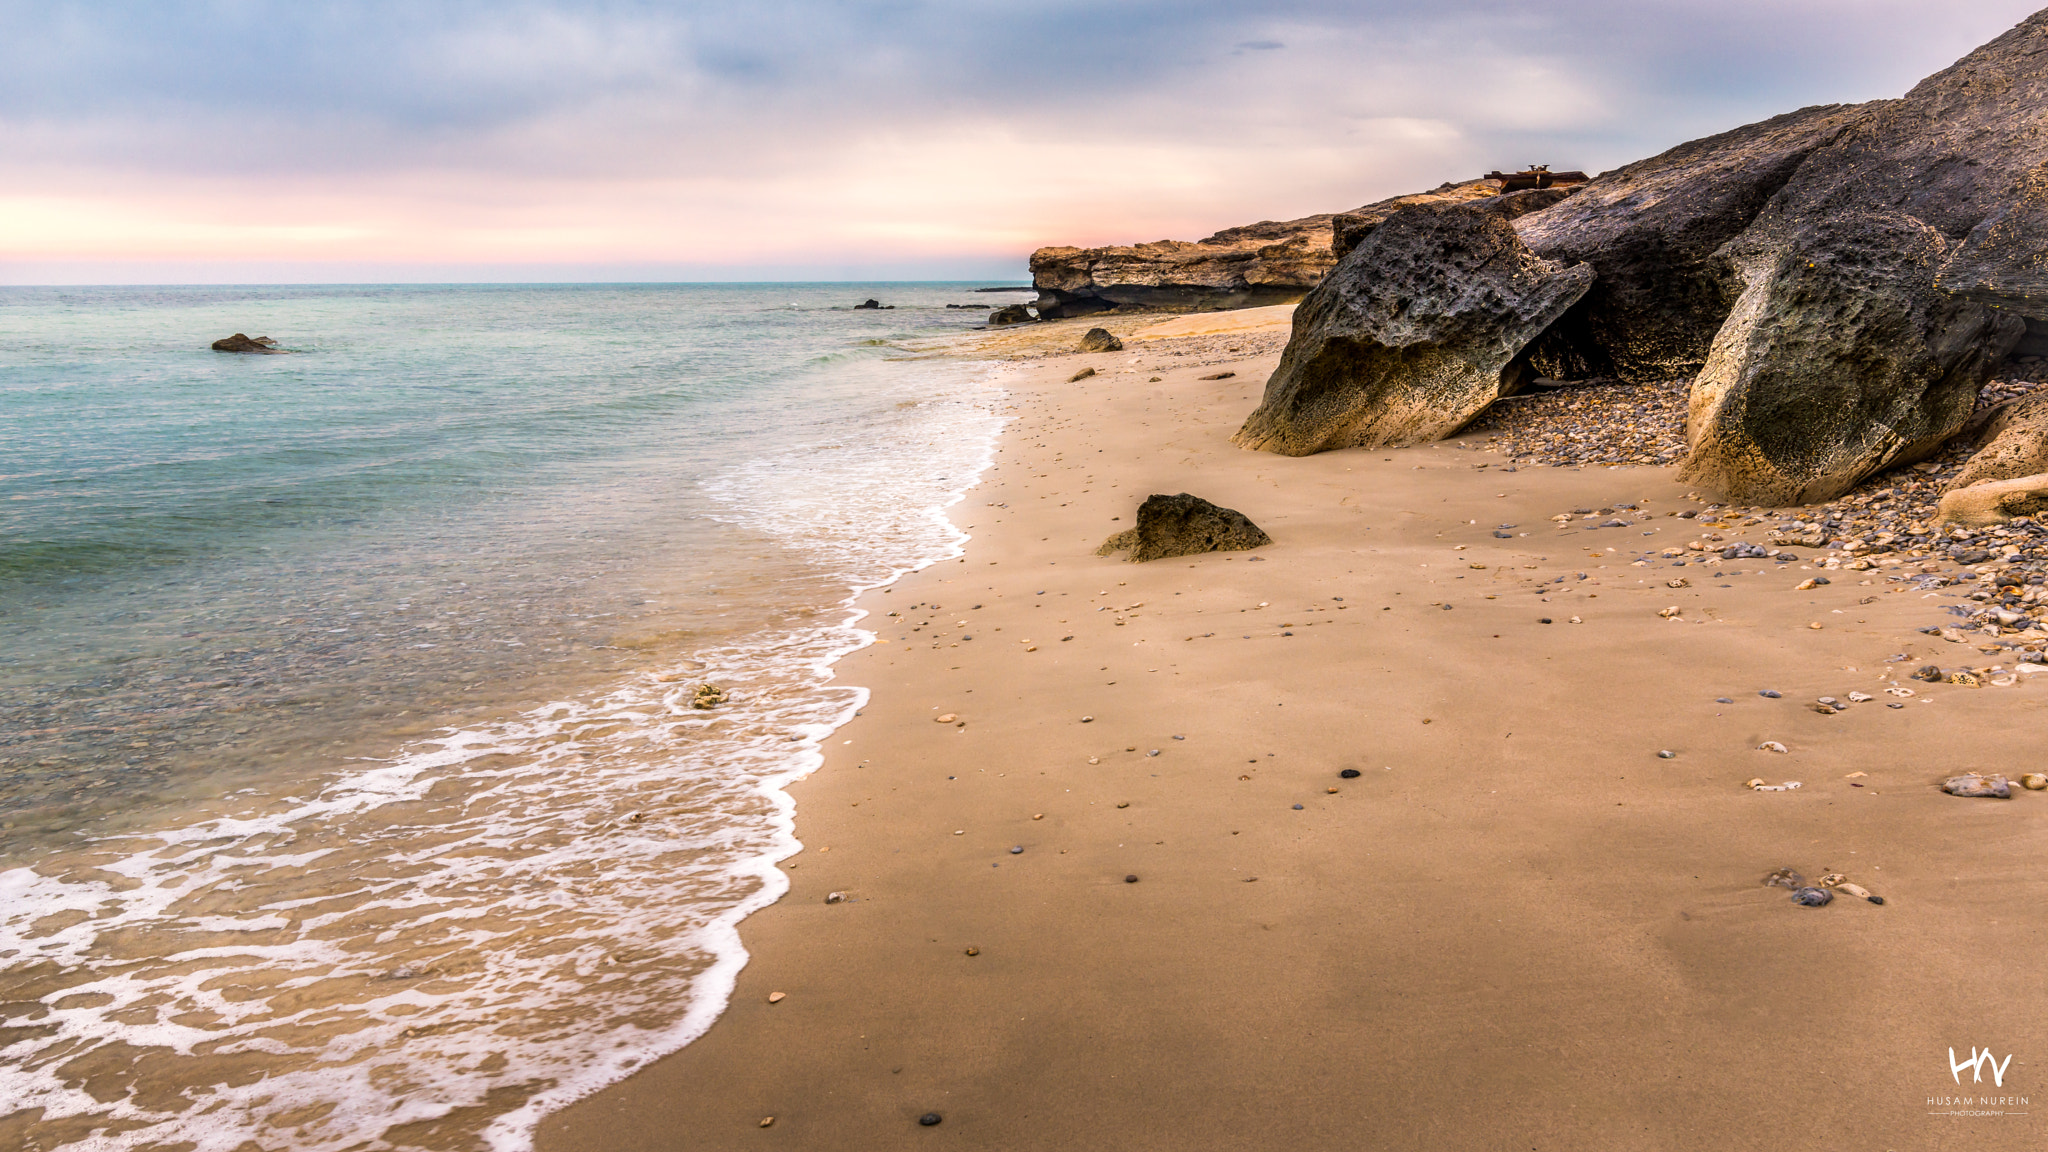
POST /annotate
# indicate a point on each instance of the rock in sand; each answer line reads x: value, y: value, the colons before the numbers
x: 1184, y: 525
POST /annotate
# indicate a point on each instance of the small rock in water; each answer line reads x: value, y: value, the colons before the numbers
x: 1993, y: 786
x: 709, y: 696
x: 1812, y: 897
x: 1349, y: 774
x: 929, y: 1119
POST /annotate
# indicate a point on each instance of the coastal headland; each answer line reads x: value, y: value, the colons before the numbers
x: 1130, y: 896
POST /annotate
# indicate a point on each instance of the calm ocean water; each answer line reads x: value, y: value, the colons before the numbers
x: 351, y: 795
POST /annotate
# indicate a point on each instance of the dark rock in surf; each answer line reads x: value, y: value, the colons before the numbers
x: 1009, y: 314
x: 254, y: 345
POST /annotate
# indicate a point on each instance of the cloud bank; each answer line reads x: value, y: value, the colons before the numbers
x: 798, y: 139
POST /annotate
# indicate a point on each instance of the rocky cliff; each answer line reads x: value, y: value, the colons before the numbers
x: 1271, y: 262
x: 1839, y: 282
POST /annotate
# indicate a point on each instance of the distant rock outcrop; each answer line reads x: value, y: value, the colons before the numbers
x: 1842, y: 280
x: 247, y: 344
x: 1184, y: 525
x: 1271, y: 262
x: 1415, y: 333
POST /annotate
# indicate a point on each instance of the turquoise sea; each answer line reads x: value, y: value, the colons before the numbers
x: 351, y: 792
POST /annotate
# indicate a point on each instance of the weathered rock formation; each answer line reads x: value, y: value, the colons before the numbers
x: 1099, y: 340
x: 1271, y: 262
x: 247, y: 344
x: 1842, y: 279
x: 1184, y: 525
x: 1841, y: 357
x: 1415, y: 333
x: 2013, y: 439
x: 1995, y: 501
x: 1009, y: 314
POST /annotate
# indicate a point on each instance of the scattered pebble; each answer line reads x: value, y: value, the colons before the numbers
x: 767, y: 1121
x: 1771, y: 746
x: 1131, y: 879
x: 948, y: 718
x: 1993, y: 786
x: 1771, y: 694
x: 776, y: 997
x: 931, y: 1118
x: 1016, y: 849
x: 2034, y: 782
x: 1812, y: 897
x: 1298, y: 807
x: 835, y: 897
x: 973, y: 951
x: 1349, y: 774
x: 1667, y: 754
x: 1123, y: 803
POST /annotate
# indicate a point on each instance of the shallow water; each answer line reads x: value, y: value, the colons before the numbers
x: 350, y: 789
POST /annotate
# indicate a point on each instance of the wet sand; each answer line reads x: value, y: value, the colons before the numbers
x: 1517, y: 927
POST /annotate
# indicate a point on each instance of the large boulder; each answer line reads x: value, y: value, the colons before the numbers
x: 1414, y: 333
x: 1841, y: 357
x: 1271, y: 262
x: 1653, y: 231
x: 2013, y: 442
x: 1917, y: 231
x: 1184, y: 525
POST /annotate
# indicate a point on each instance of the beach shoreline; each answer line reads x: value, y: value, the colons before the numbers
x: 1518, y: 926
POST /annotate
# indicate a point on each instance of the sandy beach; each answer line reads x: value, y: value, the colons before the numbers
x: 1516, y: 927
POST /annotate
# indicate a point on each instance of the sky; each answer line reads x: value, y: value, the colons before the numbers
x: 244, y: 141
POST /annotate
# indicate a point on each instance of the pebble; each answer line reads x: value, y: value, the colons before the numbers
x: 931, y: 1118
x: 1543, y: 620
x: 2034, y: 782
x: 1349, y: 774
x: 1770, y: 694
x: 776, y: 997
x: 1667, y: 754
x: 1087, y: 719
x: 1331, y: 791
x: 1153, y: 752
x: 767, y: 1121
x: 1724, y: 700
x: 1016, y: 849
x: 834, y: 897
x: 1123, y: 803
x: 973, y: 951
x: 1771, y: 746
x: 948, y: 718
x: 1038, y: 815
x: 1992, y: 786
x: 1298, y: 807
x: 1131, y: 879
x: 1812, y: 897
